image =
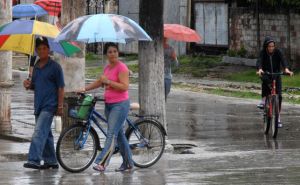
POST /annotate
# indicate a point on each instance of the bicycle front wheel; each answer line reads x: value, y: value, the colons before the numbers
x: 147, y: 142
x: 275, y: 114
x: 76, y: 148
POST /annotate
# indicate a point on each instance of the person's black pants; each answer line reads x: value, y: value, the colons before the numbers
x: 267, y: 85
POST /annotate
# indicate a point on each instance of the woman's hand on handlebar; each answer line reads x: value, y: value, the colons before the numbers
x: 260, y: 72
x: 81, y: 90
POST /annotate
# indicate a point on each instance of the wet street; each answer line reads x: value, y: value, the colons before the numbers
x: 218, y: 140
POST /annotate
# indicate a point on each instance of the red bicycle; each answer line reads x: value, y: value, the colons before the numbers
x: 271, y: 108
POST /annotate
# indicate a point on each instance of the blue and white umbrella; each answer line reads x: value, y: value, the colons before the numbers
x: 103, y: 28
x: 28, y: 10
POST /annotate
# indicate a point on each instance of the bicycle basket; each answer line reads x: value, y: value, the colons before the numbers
x: 82, y: 108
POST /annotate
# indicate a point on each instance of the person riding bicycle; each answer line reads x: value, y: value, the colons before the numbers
x: 271, y: 60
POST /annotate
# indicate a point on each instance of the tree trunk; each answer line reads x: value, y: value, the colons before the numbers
x: 73, y: 67
x: 5, y: 73
x: 151, y: 61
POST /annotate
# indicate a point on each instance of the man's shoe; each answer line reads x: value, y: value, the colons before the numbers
x: 50, y: 166
x: 124, y: 168
x: 32, y: 166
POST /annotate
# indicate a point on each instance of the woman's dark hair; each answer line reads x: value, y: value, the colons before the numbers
x: 110, y: 44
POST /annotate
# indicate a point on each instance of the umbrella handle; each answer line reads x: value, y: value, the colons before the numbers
x: 29, y: 71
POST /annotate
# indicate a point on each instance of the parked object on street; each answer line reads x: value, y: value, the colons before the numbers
x: 28, y: 10
x: 181, y: 33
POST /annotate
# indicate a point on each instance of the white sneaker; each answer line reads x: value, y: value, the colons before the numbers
x: 280, y: 125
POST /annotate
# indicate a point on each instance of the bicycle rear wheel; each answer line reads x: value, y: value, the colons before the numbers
x: 267, y: 119
x: 275, y: 114
x: 147, y: 142
x: 76, y: 148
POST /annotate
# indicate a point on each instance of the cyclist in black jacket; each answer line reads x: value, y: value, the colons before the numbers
x: 272, y: 60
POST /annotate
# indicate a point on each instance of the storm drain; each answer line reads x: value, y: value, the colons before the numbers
x: 183, y: 148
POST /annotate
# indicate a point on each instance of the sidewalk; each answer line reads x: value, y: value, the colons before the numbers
x: 15, y: 146
x: 13, y: 151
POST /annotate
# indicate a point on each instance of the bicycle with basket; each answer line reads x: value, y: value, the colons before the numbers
x: 78, y: 144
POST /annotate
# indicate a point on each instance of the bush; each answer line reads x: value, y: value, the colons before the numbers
x: 91, y: 56
x: 232, y: 53
x: 242, y: 52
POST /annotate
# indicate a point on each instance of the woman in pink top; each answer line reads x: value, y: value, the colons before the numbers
x: 115, y: 80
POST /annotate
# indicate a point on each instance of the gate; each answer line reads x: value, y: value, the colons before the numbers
x: 211, y: 22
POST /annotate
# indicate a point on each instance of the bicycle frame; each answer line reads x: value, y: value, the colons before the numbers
x: 92, y: 118
x: 273, y: 93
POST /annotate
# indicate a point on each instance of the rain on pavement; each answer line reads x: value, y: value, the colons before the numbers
x: 229, y: 146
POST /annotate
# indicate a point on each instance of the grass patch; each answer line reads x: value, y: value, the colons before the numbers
x: 292, y: 100
x: 293, y: 81
x: 249, y: 95
x: 196, y: 66
x: 130, y: 57
x: 133, y: 80
x: 91, y: 56
x: 93, y: 72
x: 245, y: 76
x: 250, y: 76
x: 237, y: 94
x: 133, y: 67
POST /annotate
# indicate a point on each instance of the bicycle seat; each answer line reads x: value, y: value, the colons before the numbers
x: 134, y: 106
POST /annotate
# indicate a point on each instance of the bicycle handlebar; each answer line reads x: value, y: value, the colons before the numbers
x: 99, y: 98
x: 96, y: 98
x: 274, y: 74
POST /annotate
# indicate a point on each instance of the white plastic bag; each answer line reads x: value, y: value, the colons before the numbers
x: 57, y: 121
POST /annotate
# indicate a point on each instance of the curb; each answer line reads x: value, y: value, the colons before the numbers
x: 16, y: 138
x: 13, y: 157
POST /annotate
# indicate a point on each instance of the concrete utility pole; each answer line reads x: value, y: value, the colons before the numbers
x: 5, y: 73
x: 151, y: 61
x: 73, y: 67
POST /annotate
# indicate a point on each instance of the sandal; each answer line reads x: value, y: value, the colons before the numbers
x: 99, y: 168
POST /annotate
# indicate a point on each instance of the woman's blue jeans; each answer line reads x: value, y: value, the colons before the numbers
x: 42, y: 143
x: 116, y: 114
